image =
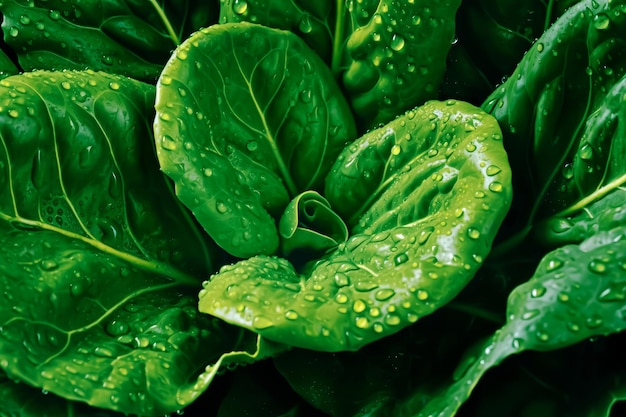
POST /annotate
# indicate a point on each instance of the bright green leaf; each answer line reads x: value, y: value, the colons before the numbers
x: 432, y: 187
x: 247, y: 117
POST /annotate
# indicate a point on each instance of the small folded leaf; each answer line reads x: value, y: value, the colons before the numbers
x: 433, y: 187
x: 309, y: 224
x: 247, y: 117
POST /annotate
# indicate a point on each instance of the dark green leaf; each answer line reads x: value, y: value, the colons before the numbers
x: 561, y: 110
x: 397, y: 53
x: 433, y: 187
x: 313, y: 21
x: 21, y: 400
x: 576, y: 293
x: 99, y: 299
x: 132, y: 38
x: 247, y: 117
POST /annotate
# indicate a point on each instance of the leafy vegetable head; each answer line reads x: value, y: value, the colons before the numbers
x: 427, y: 193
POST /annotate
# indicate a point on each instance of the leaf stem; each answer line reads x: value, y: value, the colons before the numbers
x: 338, y: 38
x: 591, y: 198
x: 549, y: 7
x: 168, y: 26
x: 145, y: 264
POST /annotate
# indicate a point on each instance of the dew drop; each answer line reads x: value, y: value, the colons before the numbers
x: 114, y: 85
x: 305, y: 25
x: 573, y: 327
x: 117, y: 328
x: 400, y: 259
x: 392, y: 319
x: 424, y: 235
x: 530, y: 314
x: 422, y: 295
x: 207, y: 172
x: 240, y: 6
x: 397, y: 42
x: 537, y: 292
x: 168, y: 143
x: 384, y: 294
x: 362, y: 323
x: 496, y: 187
x: 221, y: 207
x: 593, y: 321
x: 14, y: 113
x: 542, y: 336
x: 553, y: 265
x: 539, y: 47
x: 493, y: 170
x: 291, y: 315
x: 14, y: 32
x: 586, y: 152
x: 252, y: 146
x: 601, y: 21
x: 165, y: 80
x: 260, y: 323
x: 48, y: 265
x: 341, y: 298
x: 396, y: 150
x: 597, y: 266
x: 473, y: 233
x: 359, y: 306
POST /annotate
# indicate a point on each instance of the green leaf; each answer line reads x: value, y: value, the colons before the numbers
x: 21, y: 400
x: 314, y: 22
x: 565, y: 98
x: 309, y: 225
x: 99, y: 299
x: 390, y: 56
x: 602, y: 215
x: 132, y: 37
x: 397, y: 55
x: 576, y: 293
x: 433, y: 187
x: 247, y: 117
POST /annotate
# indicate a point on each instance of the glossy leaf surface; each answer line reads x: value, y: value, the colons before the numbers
x: 577, y: 292
x: 243, y: 130
x: 100, y: 302
x: 132, y: 38
x: 432, y: 187
x: 397, y: 53
x: 389, y: 55
x: 566, y: 98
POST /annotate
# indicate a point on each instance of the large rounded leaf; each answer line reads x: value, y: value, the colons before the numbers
x: 433, y: 187
x: 247, y: 117
x: 99, y: 299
